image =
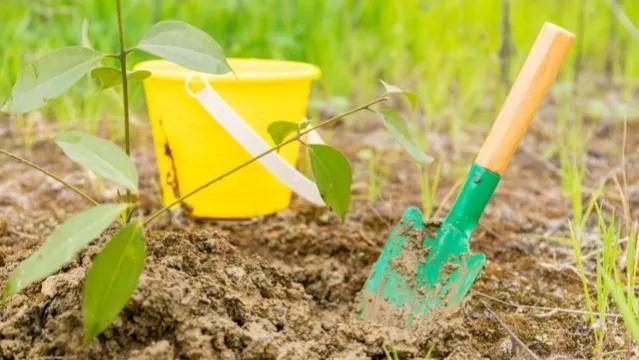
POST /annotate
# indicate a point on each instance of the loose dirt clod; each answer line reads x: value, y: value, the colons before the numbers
x: 413, y: 251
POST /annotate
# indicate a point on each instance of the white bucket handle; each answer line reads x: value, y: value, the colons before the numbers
x: 219, y: 110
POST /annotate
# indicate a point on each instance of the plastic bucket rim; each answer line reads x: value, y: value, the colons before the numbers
x: 299, y: 71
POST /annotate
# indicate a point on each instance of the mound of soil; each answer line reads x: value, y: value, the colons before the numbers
x: 200, y: 298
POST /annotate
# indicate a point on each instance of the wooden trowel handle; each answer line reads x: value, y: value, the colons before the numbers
x: 525, y: 97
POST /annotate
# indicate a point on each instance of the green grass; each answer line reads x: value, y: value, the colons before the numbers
x: 614, y: 282
x: 610, y: 234
x: 378, y: 170
x: 429, y: 184
x: 616, y: 245
x: 446, y: 50
x: 615, y: 234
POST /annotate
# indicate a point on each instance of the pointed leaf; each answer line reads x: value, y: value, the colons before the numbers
x: 101, y: 156
x: 333, y: 176
x: 410, y: 96
x: 62, y: 245
x: 138, y: 75
x: 304, y: 124
x: 185, y: 45
x: 109, y: 76
x: 279, y: 130
x: 112, y: 279
x: 395, y: 124
x: 50, y: 77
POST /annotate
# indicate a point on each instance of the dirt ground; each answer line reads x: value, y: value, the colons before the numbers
x: 284, y: 286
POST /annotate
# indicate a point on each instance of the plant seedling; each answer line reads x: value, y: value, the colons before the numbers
x: 113, y: 276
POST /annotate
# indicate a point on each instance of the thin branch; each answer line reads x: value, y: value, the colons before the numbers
x: 49, y: 174
x: 543, y: 308
x: 249, y: 162
x: 510, y: 332
x: 125, y: 95
x: 125, y: 82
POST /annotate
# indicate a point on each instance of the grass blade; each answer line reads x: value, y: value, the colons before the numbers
x: 632, y: 323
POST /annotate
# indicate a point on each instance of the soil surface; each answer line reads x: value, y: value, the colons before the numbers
x: 284, y: 286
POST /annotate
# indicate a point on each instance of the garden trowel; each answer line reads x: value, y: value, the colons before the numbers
x: 420, y: 273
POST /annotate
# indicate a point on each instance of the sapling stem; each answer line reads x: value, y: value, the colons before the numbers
x: 50, y: 174
x: 125, y: 81
x: 125, y: 94
x: 249, y: 162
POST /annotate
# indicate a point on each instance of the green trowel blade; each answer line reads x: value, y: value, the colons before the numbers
x: 419, y: 272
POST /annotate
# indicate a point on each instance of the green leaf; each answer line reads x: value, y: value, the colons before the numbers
x: 333, y: 176
x: 185, y: 45
x: 109, y: 76
x: 138, y: 75
x: 395, y: 124
x: 62, y: 245
x: 279, y: 130
x: 616, y: 292
x: 101, y: 156
x: 112, y: 279
x: 410, y: 96
x: 50, y: 77
x: 304, y: 124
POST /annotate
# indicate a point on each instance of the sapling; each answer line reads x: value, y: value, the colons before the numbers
x: 115, y: 271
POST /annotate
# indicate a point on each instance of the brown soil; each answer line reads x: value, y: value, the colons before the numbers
x: 284, y: 286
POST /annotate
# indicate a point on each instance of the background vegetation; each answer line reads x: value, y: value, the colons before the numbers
x: 456, y: 54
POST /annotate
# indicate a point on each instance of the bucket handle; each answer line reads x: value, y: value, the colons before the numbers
x: 219, y: 110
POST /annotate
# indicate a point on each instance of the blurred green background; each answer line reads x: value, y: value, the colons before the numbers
x: 459, y: 55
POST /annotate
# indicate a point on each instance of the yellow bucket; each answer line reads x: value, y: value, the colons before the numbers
x: 192, y: 148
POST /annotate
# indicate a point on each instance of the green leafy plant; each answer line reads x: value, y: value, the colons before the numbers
x: 115, y: 271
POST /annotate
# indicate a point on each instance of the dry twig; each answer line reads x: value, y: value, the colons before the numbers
x: 511, y: 333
